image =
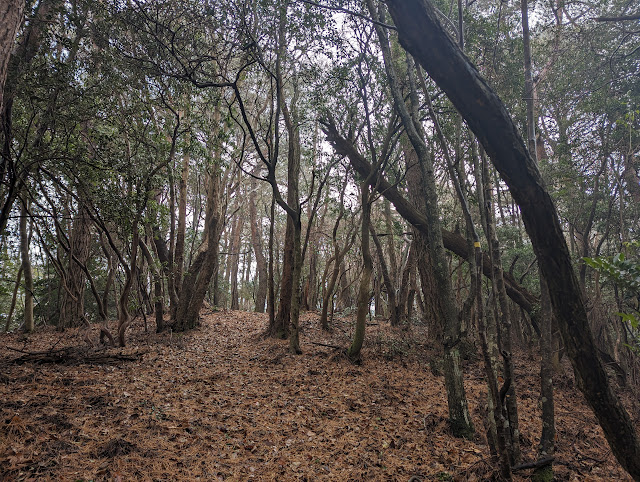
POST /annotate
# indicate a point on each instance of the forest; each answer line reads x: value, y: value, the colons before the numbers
x: 320, y: 240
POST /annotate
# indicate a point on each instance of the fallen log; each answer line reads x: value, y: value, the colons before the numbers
x: 75, y: 355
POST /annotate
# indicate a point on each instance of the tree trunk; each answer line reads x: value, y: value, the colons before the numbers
x: 72, y: 304
x: 459, y: 417
x: 289, y: 309
x: 261, y: 262
x: 178, y: 255
x: 548, y: 434
x: 12, y: 13
x: 423, y: 260
x: 503, y: 318
x: 234, y: 260
x: 338, y: 256
x: 271, y: 295
x: 391, y: 289
x: 364, y: 289
x: 124, y: 317
x: 631, y: 177
x: 420, y: 33
x: 14, y: 298
x: 405, y: 293
x: 158, y: 300
x: 197, y: 277
x: 29, y: 324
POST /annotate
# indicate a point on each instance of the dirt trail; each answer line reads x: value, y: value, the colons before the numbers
x: 222, y: 403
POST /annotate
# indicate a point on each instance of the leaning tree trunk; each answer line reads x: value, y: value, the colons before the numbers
x: 420, y: 33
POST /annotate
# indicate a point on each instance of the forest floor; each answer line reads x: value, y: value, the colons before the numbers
x: 224, y: 403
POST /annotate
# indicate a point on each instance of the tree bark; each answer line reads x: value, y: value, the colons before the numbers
x: 158, y: 300
x: 197, y: 277
x: 178, y: 255
x: 386, y: 277
x: 29, y: 324
x: 234, y: 260
x: 364, y: 289
x: 14, y: 298
x: 420, y: 33
x: 12, y: 11
x: 72, y: 304
x: 261, y: 262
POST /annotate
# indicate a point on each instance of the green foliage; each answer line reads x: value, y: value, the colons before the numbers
x: 625, y: 273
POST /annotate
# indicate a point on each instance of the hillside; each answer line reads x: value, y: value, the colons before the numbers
x: 223, y: 403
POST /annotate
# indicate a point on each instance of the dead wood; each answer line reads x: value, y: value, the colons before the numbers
x: 75, y: 355
x: 533, y: 465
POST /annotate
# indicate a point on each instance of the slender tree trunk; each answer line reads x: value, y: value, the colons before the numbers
x: 631, y: 177
x: 546, y: 448
x: 271, y: 295
x: 14, y: 297
x: 459, y: 417
x: 497, y: 419
x: 124, y: 317
x: 158, y: 301
x: 261, y: 262
x: 289, y: 309
x: 178, y: 255
x: 364, y: 289
x: 29, y: 324
x: 391, y: 245
x: 294, y: 336
x: 234, y: 260
x: 338, y: 256
x: 405, y: 293
x: 504, y: 328
x: 391, y: 289
x: 110, y: 276
x: 547, y: 442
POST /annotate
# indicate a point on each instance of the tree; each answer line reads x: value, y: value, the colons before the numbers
x: 421, y: 34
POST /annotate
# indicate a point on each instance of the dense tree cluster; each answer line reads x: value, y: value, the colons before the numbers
x: 471, y: 167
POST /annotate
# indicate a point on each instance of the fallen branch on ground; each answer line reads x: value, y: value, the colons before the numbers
x: 75, y: 355
x: 534, y: 465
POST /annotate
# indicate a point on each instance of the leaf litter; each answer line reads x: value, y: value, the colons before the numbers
x: 223, y: 402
